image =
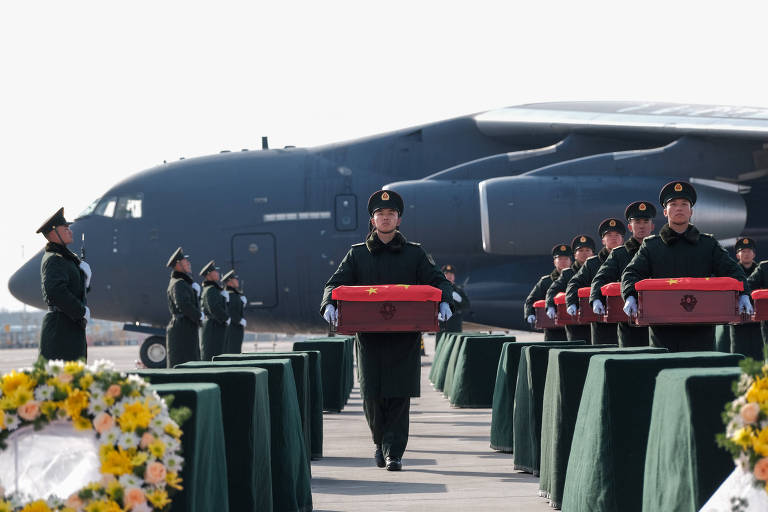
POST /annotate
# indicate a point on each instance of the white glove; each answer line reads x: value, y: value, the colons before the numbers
x: 229, y: 321
x: 572, y: 309
x: 202, y: 316
x: 331, y: 315
x: 597, y: 307
x: 244, y: 300
x: 87, y: 315
x: 86, y: 268
x: 630, y: 306
x: 445, y: 312
x: 456, y: 296
x: 225, y: 294
x: 243, y: 322
x: 551, y: 312
x: 745, y: 305
x: 531, y: 319
x: 196, y: 287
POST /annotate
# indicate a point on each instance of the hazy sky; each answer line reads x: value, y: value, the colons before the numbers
x: 92, y: 92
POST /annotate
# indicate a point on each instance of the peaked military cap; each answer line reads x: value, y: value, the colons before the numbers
x: 177, y: 255
x: 385, y: 199
x: 562, y: 250
x: 611, y: 225
x: 640, y: 210
x: 229, y: 275
x: 745, y: 243
x: 57, y: 219
x: 580, y: 241
x: 677, y: 190
x: 209, y: 267
x: 448, y: 268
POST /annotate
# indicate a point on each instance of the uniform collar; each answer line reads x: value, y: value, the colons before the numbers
x: 211, y: 283
x: 231, y: 289
x: 576, y: 265
x: 555, y: 274
x: 60, y: 249
x: 669, y: 236
x: 632, y: 245
x: 603, y: 254
x: 375, y: 245
x: 181, y: 275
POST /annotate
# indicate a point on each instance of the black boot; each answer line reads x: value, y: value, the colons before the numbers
x: 394, y: 464
x: 379, y: 457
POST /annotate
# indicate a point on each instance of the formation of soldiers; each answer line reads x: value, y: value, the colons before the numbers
x: 215, y: 310
x: 679, y: 250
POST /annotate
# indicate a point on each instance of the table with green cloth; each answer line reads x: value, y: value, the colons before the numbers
x: 529, y: 404
x: 607, y: 459
x: 291, y: 487
x: 566, y: 374
x: 683, y: 464
x: 474, y: 375
x: 245, y: 413
x: 442, y: 354
x: 336, y: 363
x: 204, y: 477
x: 450, y: 369
x: 502, y: 426
x: 300, y: 366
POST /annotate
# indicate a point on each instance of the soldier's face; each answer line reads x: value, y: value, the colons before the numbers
x: 746, y: 256
x: 562, y: 262
x: 385, y: 220
x: 641, y: 228
x: 612, y: 239
x: 233, y: 282
x: 582, y: 253
x: 64, y: 235
x: 450, y: 276
x: 184, y: 265
x: 678, y: 211
x: 213, y: 275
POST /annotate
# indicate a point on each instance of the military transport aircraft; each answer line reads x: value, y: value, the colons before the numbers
x: 490, y: 193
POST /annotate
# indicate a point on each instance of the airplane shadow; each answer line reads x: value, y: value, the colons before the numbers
x: 362, y: 487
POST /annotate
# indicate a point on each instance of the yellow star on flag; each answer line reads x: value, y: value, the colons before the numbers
x: 371, y: 291
x: 406, y: 286
x: 673, y: 281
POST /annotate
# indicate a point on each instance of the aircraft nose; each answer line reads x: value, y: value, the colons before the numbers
x: 24, y: 284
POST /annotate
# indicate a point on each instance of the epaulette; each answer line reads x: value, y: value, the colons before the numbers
x: 358, y: 245
x: 417, y: 244
x: 710, y: 235
x: 651, y: 237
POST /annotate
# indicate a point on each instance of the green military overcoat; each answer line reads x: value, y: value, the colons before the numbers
x: 62, y: 335
x: 389, y: 363
x: 214, y: 332
x: 181, y: 338
x: 235, y: 332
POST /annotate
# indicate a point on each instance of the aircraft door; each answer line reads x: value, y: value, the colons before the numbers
x: 254, y: 259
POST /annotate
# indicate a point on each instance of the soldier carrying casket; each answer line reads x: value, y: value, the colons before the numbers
x: 561, y: 257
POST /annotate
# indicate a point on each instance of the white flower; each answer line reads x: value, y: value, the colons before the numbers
x: 128, y: 440
x: 12, y: 422
x: 139, y: 381
x: 43, y: 393
x: 171, y: 443
x: 97, y: 405
x: 130, y: 480
x: 102, y: 365
x: 173, y: 462
x: 118, y: 408
x: 54, y: 366
x: 111, y: 436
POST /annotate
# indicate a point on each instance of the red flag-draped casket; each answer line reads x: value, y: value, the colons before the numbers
x: 760, y: 298
x: 562, y: 317
x: 586, y: 315
x: 542, y: 320
x: 387, y: 308
x: 614, y: 304
x: 688, y: 300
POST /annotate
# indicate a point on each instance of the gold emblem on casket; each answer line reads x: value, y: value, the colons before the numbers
x: 688, y: 302
x: 387, y: 311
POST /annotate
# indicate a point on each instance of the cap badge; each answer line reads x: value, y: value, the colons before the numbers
x: 562, y: 248
x: 678, y: 187
x: 583, y: 239
x: 745, y: 241
x: 642, y: 207
x: 384, y: 196
x: 612, y: 223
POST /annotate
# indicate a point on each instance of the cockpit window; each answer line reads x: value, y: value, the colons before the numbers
x: 123, y: 207
x: 106, y: 207
x: 129, y: 207
x: 89, y: 210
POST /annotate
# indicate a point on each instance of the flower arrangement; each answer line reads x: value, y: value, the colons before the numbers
x: 139, y: 442
x: 746, y: 419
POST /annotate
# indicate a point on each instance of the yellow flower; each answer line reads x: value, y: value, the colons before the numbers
x: 173, y: 429
x: 6, y: 403
x: 157, y: 448
x: 48, y: 408
x: 75, y: 402
x: 73, y: 367
x: 158, y: 498
x: 15, y: 380
x: 760, y: 443
x: 86, y: 380
x: 742, y: 437
x: 136, y: 415
x: 115, y: 462
x: 36, y: 506
x: 115, y: 490
x: 5, y: 506
x: 81, y: 423
x: 139, y: 459
x: 2, y: 425
x: 103, y: 506
x: 173, y: 480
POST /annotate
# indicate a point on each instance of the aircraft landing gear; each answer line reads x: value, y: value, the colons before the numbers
x: 152, y: 352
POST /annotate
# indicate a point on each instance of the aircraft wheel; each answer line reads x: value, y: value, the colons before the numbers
x: 152, y: 352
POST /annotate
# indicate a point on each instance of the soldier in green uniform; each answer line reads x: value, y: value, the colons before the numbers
x: 680, y: 250
x: 639, y: 215
x: 460, y: 302
x: 758, y: 280
x: 181, y: 338
x: 237, y: 323
x: 215, y: 303
x: 389, y: 363
x: 65, y: 280
x: 583, y: 248
x: 561, y: 255
x: 612, y: 233
x: 746, y: 338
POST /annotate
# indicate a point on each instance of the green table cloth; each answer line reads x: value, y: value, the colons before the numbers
x: 683, y: 464
x: 607, y: 460
x: 566, y: 373
x: 529, y: 403
x: 502, y: 424
x: 336, y: 363
x: 450, y: 370
x: 442, y: 354
x: 204, y: 477
x: 300, y: 366
x: 245, y: 413
x: 291, y: 488
x: 474, y: 376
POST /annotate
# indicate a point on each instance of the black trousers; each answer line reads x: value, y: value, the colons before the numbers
x: 579, y: 332
x: 683, y: 338
x: 555, y: 334
x: 388, y: 420
x: 748, y: 340
x: 604, y: 334
x: 633, y: 336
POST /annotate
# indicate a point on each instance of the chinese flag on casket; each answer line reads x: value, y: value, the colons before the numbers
x: 387, y: 308
x: 760, y: 298
x: 614, y: 304
x: 586, y: 315
x: 542, y: 320
x: 688, y: 300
